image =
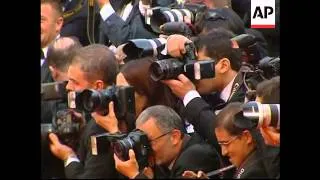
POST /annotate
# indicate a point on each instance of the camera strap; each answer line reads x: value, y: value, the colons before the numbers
x: 67, y: 15
x: 236, y: 84
x: 91, y: 21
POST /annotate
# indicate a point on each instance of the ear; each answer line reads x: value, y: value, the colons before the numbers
x: 98, y: 85
x: 175, y: 136
x: 59, y: 24
x: 223, y: 65
x: 54, y: 72
x: 248, y: 137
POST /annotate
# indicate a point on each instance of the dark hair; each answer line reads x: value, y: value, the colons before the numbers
x: 217, y: 45
x: 136, y: 72
x: 97, y: 62
x: 56, y: 5
x: 269, y: 91
x: 165, y: 117
x: 226, y: 118
x: 61, y: 51
x: 220, y: 18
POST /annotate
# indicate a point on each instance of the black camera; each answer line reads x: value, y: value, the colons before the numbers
x: 270, y: 66
x: 138, y: 48
x: 256, y: 115
x: 90, y: 100
x: 182, y: 28
x: 250, y: 51
x: 193, y: 69
x: 64, y: 122
x: 136, y: 140
x: 162, y: 15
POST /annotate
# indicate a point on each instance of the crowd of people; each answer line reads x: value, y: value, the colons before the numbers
x: 204, y: 104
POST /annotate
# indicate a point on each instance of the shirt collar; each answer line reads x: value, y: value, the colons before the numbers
x: 226, y: 91
x: 45, y: 49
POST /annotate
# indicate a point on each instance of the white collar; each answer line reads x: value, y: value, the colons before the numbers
x: 225, y: 93
x: 45, y: 49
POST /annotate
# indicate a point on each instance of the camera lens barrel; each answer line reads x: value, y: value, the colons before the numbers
x: 166, y: 69
x: 263, y: 114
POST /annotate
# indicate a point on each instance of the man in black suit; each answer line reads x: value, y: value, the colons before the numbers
x: 173, y: 151
x: 226, y: 86
x: 92, y: 67
x: 51, y: 24
x: 122, y: 21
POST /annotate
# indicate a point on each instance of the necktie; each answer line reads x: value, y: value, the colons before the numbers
x: 42, y: 54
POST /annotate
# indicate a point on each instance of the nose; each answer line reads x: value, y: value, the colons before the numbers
x: 224, y: 151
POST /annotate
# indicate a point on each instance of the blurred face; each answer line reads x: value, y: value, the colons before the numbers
x: 140, y: 100
x: 77, y: 80
x: 50, y: 24
x: 163, y: 144
x: 235, y: 147
x: 206, y: 86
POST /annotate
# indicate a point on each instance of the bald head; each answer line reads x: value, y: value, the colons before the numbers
x: 61, y: 51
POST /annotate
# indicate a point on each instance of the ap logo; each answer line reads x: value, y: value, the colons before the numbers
x: 263, y: 13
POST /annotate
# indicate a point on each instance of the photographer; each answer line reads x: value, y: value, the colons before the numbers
x: 173, y: 151
x: 58, y: 60
x: 92, y: 67
x: 241, y: 143
x: 227, y: 82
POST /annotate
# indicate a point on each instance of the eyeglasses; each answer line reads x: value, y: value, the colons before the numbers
x: 225, y: 143
x: 160, y: 136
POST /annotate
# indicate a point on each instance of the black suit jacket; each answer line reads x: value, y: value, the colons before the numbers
x: 195, y: 155
x: 258, y: 166
x: 77, y: 24
x: 99, y: 166
x: 119, y: 31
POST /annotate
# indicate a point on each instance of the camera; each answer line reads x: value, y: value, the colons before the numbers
x: 162, y: 15
x: 136, y: 140
x: 270, y: 66
x: 182, y: 28
x: 193, y: 69
x: 250, y: 51
x: 90, y: 100
x: 256, y: 115
x: 138, y: 48
x: 64, y: 122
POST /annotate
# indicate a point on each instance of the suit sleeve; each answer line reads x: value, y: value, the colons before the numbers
x: 201, y: 116
x: 100, y: 166
x: 119, y: 31
x: 199, y: 157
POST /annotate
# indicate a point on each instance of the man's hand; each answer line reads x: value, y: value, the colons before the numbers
x: 193, y: 175
x: 108, y: 122
x: 270, y: 135
x: 176, y: 45
x: 181, y: 86
x: 128, y: 168
x: 120, y: 55
x: 102, y: 2
x: 61, y: 151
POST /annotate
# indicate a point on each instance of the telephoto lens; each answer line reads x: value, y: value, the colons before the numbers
x: 262, y: 115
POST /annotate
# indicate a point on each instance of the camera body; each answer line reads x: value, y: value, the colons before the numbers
x: 64, y: 123
x: 90, y: 100
x: 136, y: 140
x: 193, y: 69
